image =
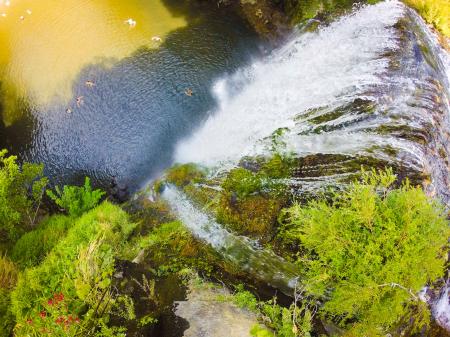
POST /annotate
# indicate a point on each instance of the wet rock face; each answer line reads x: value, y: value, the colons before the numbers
x: 209, y: 317
x: 403, y: 119
x: 265, y: 16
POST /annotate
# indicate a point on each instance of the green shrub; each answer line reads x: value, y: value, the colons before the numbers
x: 33, y: 246
x: 245, y: 299
x: 21, y: 190
x: 8, y: 273
x: 77, y: 272
x: 76, y: 200
x: 6, y: 317
x: 295, y: 321
x: 367, y: 254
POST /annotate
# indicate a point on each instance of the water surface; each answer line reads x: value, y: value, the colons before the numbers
x: 130, y: 81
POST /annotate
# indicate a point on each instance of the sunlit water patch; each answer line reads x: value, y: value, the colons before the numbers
x: 92, y: 93
x: 46, y: 43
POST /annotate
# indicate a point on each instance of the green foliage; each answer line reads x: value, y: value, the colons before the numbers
x: 243, y: 182
x: 300, y: 11
x: 32, y: 247
x: 368, y: 253
x: 278, y: 166
x: 80, y: 268
x: 172, y: 248
x: 245, y: 299
x: 258, y: 331
x: 6, y: 317
x: 8, y: 273
x: 8, y: 278
x: 76, y: 200
x: 255, y: 215
x: 285, y: 322
x: 250, y: 202
x: 182, y: 175
x: 21, y: 190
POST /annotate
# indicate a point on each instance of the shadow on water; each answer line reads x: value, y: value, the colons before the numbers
x: 126, y: 126
x: 18, y: 136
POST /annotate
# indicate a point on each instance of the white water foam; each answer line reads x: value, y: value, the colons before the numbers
x: 239, y: 250
x: 441, y: 309
x: 339, y: 62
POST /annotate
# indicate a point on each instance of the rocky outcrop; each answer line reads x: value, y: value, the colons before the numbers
x: 210, y: 317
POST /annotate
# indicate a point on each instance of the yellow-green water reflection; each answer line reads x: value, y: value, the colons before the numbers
x: 45, y: 43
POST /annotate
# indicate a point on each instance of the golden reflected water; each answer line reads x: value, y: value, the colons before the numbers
x: 45, y: 43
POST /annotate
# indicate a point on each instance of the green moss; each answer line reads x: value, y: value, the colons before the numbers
x: 182, y: 175
x: 207, y: 197
x: 300, y: 11
x: 243, y: 182
x: 254, y: 215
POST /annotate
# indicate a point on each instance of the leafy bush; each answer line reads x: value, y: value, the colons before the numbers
x: 367, y: 254
x: 286, y: 322
x: 80, y: 267
x: 21, y: 190
x: 33, y: 246
x: 76, y: 200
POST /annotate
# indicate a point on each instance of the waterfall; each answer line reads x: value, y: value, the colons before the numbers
x: 374, y: 84
x: 239, y: 250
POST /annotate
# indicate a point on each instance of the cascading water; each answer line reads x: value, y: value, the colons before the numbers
x: 373, y: 84
x: 238, y: 250
x: 372, y: 87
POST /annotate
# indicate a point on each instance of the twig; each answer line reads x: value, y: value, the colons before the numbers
x: 393, y: 285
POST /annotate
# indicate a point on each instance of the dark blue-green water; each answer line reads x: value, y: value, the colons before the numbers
x: 129, y: 123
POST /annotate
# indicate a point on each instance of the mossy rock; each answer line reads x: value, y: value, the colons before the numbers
x: 182, y: 175
x: 255, y: 215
